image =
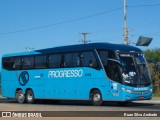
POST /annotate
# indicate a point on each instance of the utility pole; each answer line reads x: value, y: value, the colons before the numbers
x: 125, y: 24
x: 85, y: 34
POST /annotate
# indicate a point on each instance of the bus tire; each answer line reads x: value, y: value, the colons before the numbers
x: 30, y: 96
x: 96, y: 98
x: 20, y: 97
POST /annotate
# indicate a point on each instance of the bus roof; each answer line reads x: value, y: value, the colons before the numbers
x: 88, y: 46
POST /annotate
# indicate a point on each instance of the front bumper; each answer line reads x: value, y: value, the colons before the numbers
x: 131, y: 95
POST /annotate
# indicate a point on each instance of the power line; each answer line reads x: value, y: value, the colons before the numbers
x: 134, y: 27
x: 145, y: 5
x: 147, y: 34
x: 147, y: 24
x: 72, y: 20
x: 59, y: 23
x: 106, y: 30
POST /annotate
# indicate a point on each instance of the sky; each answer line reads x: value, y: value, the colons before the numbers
x: 43, y: 24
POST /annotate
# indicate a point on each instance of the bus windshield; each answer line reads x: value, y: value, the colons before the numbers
x: 135, y: 71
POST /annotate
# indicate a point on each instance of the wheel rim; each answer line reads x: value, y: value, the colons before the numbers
x: 97, y: 97
x: 20, y: 96
x: 29, y: 97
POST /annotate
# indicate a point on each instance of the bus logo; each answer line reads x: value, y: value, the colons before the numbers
x: 23, y: 78
x: 65, y: 73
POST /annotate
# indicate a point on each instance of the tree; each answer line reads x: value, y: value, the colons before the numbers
x: 154, y: 54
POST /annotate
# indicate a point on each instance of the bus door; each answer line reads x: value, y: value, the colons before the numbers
x: 113, y: 73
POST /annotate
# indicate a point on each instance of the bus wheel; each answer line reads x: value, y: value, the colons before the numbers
x: 96, y: 98
x: 30, y: 97
x: 20, y: 97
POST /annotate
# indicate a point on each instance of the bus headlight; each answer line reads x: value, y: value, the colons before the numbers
x: 129, y: 91
x: 150, y: 90
x: 125, y: 90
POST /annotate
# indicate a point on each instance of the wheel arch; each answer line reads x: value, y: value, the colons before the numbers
x: 28, y: 89
x: 18, y: 90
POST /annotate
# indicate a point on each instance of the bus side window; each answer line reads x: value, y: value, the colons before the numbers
x: 112, y: 71
x: 27, y: 62
x: 79, y: 59
x: 54, y: 61
x: 70, y: 60
x: 104, y: 56
x: 41, y: 61
x: 7, y: 63
x: 89, y: 60
x: 16, y: 63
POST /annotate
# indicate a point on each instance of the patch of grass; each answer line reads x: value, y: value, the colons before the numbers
x: 156, y: 93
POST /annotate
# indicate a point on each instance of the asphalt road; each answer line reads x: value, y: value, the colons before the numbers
x: 80, y: 106
x: 50, y: 105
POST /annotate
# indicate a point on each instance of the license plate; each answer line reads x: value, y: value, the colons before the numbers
x: 141, y: 97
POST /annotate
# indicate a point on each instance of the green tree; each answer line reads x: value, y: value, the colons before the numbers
x: 154, y: 54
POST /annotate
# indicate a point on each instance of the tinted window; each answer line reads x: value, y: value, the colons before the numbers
x: 7, y: 63
x: 71, y: 60
x: 54, y: 61
x: 103, y: 56
x: 17, y: 63
x: 111, y: 54
x: 88, y: 59
x: 41, y: 61
x: 28, y: 62
x: 112, y: 71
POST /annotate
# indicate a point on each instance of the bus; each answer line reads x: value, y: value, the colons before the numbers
x: 96, y: 72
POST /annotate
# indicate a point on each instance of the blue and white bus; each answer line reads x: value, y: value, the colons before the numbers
x: 97, y: 72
